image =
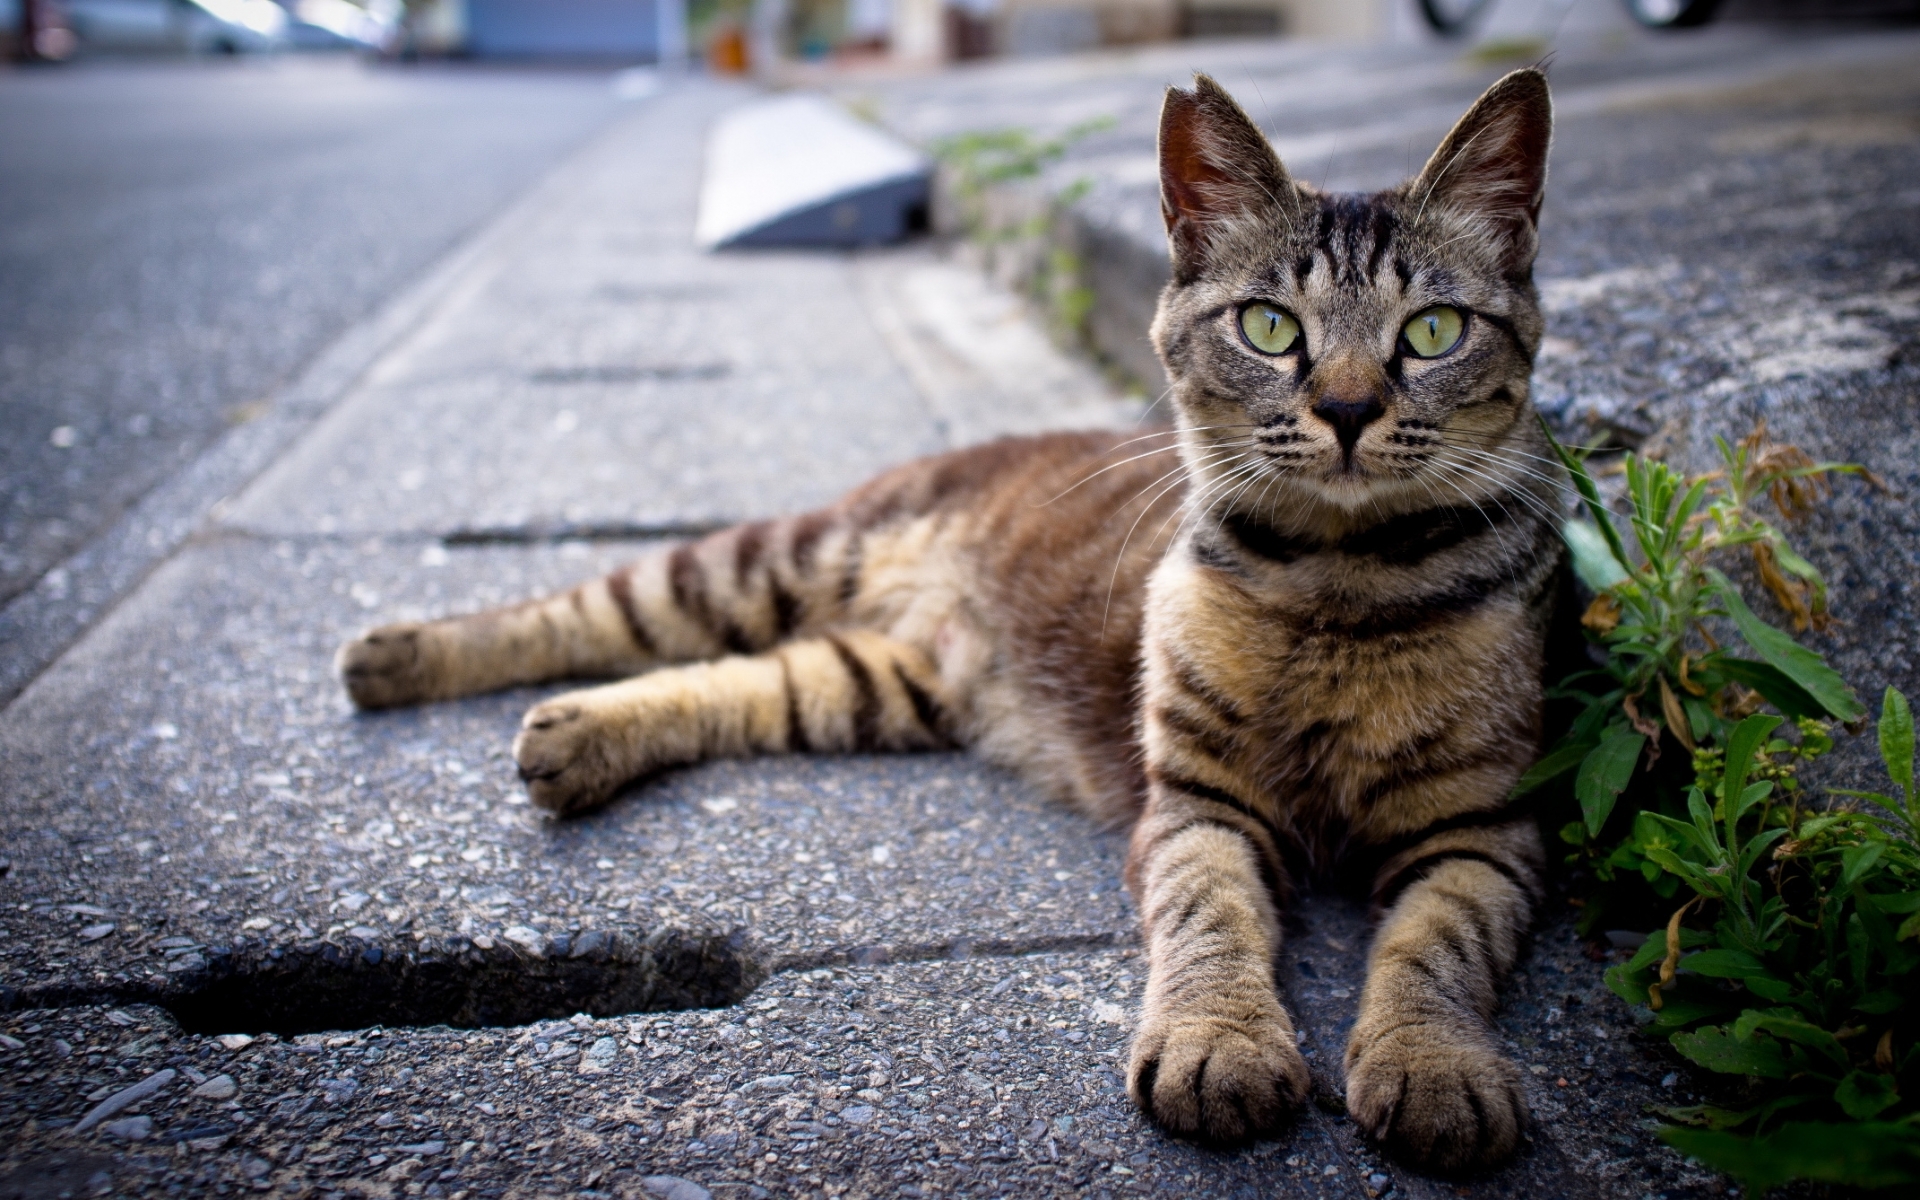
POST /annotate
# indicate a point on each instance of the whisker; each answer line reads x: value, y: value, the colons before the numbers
x: 1133, y: 459
x: 1120, y: 555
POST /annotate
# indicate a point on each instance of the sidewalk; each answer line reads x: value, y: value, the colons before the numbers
x: 905, y: 976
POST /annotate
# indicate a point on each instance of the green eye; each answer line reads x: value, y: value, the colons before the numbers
x: 1268, y: 329
x: 1435, y: 331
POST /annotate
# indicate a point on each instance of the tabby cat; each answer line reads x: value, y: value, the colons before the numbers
x: 1296, y: 638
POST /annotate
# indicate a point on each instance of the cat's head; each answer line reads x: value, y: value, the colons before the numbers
x: 1345, y: 355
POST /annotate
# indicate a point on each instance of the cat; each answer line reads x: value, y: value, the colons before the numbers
x: 1296, y: 638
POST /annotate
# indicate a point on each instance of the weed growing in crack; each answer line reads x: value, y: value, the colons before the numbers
x: 1011, y: 224
x: 1792, y: 958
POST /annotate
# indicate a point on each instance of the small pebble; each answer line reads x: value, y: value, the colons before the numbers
x: 220, y: 1087
x: 12, y: 1043
x: 129, y: 1129
x: 672, y: 1187
x: 94, y: 933
x: 124, y: 1098
x: 235, y: 1041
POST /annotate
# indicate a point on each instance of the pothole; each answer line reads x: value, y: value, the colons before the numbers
x: 333, y: 986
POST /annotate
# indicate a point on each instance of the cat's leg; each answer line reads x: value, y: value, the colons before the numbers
x: 1215, y: 1056
x: 734, y: 592
x: 856, y: 691
x: 1425, y: 1074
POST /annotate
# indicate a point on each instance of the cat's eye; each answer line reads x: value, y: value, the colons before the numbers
x: 1435, y: 331
x: 1268, y: 329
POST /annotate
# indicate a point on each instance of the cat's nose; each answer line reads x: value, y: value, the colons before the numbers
x: 1349, y: 415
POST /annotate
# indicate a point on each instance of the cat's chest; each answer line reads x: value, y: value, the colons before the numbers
x: 1323, y: 683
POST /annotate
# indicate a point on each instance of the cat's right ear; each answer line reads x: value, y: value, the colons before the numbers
x: 1217, y: 171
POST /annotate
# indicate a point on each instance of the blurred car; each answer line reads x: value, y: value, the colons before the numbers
x: 340, y: 25
x: 177, y: 26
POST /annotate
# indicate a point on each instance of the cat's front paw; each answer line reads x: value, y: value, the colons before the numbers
x: 1436, y: 1097
x: 386, y: 667
x: 1218, y: 1078
x: 570, y: 756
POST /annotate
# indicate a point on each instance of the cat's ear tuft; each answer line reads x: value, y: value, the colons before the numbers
x: 1217, y: 171
x: 1493, y: 166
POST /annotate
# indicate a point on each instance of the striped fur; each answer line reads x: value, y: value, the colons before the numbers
x: 1288, y: 644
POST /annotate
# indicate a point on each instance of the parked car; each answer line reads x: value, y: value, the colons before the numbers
x: 177, y: 26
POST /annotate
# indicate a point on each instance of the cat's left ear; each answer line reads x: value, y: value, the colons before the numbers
x: 1493, y: 165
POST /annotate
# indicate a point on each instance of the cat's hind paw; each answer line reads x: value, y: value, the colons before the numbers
x: 386, y: 667
x: 1436, y: 1098
x: 1223, y: 1080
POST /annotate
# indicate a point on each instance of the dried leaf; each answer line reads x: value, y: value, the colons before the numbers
x: 1642, y: 725
x: 1790, y: 593
x: 1687, y: 685
x: 1602, y: 616
x: 1676, y: 716
x: 1671, y: 963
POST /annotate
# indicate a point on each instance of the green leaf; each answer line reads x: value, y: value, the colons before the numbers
x: 1863, y: 1095
x: 1593, y: 559
x: 1605, y: 773
x: 1622, y: 982
x: 1790, y: 1029
x: 1908, y: 928
x: 1896, y: 739
x: 1856, y: 861
x: 1879, y: 1003
x: 1768, y: 988
x: 1747, y: 737
x: 1800, y: 664
x: 1651, y: 951
x: 1780, y: 691
x: 1590, y: 496
x: 1859, y: 955
x: 1678, y: 1012
x: 1751, y: 795
x: 1726, y: 1118
x: 1552, y: 766
x: 1718, y: 1050
x: 1757, y: 846
x: 1879, y: 1154
x: 1724, y: 964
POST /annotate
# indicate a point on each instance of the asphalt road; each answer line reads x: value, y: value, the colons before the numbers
x: 176, y: 239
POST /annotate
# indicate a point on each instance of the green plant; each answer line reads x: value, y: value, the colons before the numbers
x: 1800, y: 972
x: 1663, y: 668
x: 976, y: 165
x: 980, y: 160
x: 1791, y: 955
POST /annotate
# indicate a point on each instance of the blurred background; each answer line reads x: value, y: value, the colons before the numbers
x: 742, y: 35
x: 198, y: 196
